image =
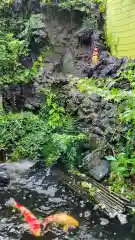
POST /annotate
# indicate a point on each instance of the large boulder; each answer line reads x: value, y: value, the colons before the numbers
x: 18, y: 97
x: 107, y: 66
x: 95, y: 166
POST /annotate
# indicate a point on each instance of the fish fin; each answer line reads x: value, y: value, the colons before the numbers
x: 65, y: 228
x: 46, y: 221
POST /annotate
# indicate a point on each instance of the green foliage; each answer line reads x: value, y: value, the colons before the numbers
x: 29, y: 135
x: 80, y: 5
x: 11, y: 71
x: 12, y: 49
x: 55, y: 114
x: 123, y: 163
x: 65, y: 144
x: 32, y: 29
x: 49, y: 134
x: 15, y: 127
x: 90, y: 22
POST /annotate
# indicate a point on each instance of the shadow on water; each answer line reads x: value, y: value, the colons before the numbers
x: 40, y: 191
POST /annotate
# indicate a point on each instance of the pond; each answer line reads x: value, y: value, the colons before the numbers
x: 40, y: 192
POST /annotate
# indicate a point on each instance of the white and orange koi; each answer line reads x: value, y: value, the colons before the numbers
x: 61, y: 219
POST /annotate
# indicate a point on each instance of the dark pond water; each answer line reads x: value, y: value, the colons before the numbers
x: 39, y: 191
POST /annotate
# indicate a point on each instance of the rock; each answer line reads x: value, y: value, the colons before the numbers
x: 100, y: 171
x: 110, y: 60
x: 13, y: 98
x: 98, y: 131
x: 25, y: 7
x: 92, y: 113
x: 49, y: 66
x: 17, y: 5
x: 3, y: 154
x: 26, y: 61
x: 96, y: 38
x: 87, y: 104
x: 104, y: 122
x: 96, y: 167
x: 104, y: 221
x: 34, y: 102
x: 107, y: 66
x: 4, y: 178
x: 103, y: 55
x: 84, y: 36
x: 122, y: 218
x: 95, y: 142
x: 112, y: 112
x: 68, y: 64
x: 19, y: 97
x: 108, y: 70
x: 95, y: 97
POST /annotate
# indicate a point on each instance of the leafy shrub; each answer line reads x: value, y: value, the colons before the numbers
x: 123, y: 166
x: 28, y: 135
x: 33, y: 30
x: 15, y: 127
x: 56, y: 115
x: 11, y: 50
x: 81, y: 5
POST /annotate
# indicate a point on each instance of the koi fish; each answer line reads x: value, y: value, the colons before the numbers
x: 33, y: 222
x: 95, y: 56
x: 61, y: 219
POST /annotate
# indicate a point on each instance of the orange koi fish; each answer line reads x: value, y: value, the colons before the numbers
x: 61, y: 219
x: 33, y: 222
x: 95, y: 56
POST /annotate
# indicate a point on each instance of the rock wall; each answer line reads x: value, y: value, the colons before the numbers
x: 20, y: 97
x: 94, y: 114
x: 71, y: 53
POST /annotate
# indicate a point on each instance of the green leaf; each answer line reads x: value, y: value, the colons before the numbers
x: 110, y: 158
x: 132, y: 171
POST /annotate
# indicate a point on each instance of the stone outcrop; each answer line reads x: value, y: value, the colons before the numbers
x: 107, y: 66
x: 71, y: 53
x: 19, y: 97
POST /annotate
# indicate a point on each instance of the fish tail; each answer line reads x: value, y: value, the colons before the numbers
x: 15, y: 204
x: 47, y: 220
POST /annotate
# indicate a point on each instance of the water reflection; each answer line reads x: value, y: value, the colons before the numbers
x: 43, y: 195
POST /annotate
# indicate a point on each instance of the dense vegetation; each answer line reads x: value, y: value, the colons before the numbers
x: 123, y: 160
x: 51, y: 132
x: 12, y: 49
x: 81, y: 5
